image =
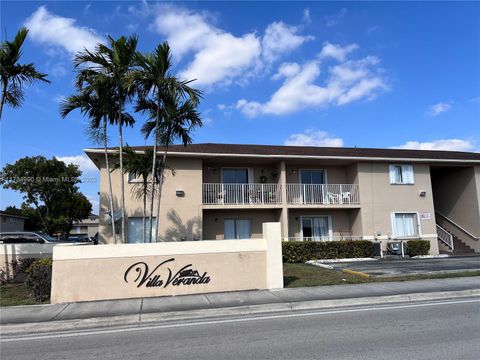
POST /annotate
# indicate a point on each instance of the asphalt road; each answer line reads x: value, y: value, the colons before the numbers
x: 412, y: 266
x: 429, y: 330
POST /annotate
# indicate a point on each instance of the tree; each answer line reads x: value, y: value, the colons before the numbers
x: 49, y: 185
x: 111, y: 67
x: 178, y: 118
x: 92, y: 99
x: 14, y: 75
x: 155, y: 84
x: 139, y: 165
x: 67, y: 209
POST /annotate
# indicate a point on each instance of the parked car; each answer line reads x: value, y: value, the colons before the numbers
x: 29, y: 237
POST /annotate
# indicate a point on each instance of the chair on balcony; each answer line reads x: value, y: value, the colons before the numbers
x: 333, y: 198
x: 221, y: 197
x: 346, y: 197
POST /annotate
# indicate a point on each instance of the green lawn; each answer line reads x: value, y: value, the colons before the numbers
x: 16, y: 294
x: 299, y: 275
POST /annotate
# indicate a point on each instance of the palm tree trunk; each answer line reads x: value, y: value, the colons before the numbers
x: 122, y: 183
x: 4, y: 97
x: 160, y: 187
x: 144, y: 210
x: 154, y: 175
x: 110, y: 190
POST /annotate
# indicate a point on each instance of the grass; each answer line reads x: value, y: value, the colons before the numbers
x: 16, y: 294
x: 301, y: 275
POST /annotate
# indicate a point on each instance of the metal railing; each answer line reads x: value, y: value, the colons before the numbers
x: 462, y: 229
x: 445, y: 237
x: 241, y: 194
x: 323, y: 194
x: 325, y: 238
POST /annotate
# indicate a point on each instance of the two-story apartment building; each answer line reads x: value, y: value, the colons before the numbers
x: 226, y: 191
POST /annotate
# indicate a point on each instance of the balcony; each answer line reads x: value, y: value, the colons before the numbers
x: 323, y: 194
x: 241, y: 194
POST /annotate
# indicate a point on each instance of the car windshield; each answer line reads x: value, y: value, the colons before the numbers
x: 47, y: 237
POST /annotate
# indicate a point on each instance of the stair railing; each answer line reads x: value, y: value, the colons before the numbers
x: 463, y: 230
x: 444, y: 236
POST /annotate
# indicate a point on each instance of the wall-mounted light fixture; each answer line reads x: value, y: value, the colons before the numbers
x: 422, y: 193
x: 180, y: 192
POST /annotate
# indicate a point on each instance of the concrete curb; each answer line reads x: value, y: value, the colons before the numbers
x: 171, y: 316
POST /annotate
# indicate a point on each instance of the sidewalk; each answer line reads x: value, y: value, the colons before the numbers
x: 142, y: 310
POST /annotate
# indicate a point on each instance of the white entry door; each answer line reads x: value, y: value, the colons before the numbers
x: 315, y: 228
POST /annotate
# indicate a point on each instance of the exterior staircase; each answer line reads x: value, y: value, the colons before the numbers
x: 459, y: 248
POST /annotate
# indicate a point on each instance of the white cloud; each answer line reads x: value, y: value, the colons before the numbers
x: 344, y: 83
x: 221, y: 57
x: 312, y: 137
x: 95, y: 202
x: 333, y: 20
x: 281, y: 38
x: 336, y: 52
x: 84, y: 163
x: 57, y: 31
x: 438, y: 108
x: 307, y: 18
x: 443, y: 144
x: 218, y: 55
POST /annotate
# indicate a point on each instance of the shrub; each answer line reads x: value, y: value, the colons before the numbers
x: 418, y: 247
x: 17, y: 270
x: 301, y: 251
x: 39, y: 278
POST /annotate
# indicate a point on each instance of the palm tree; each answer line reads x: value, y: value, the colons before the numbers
x: 154, y: 83
x: 140, y: 166
x: 92, y: 101
x: 14, y: 75
x: 112, y: 66
x: 178, y: 118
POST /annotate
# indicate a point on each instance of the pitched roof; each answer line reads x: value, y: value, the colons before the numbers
x: 313, y: 151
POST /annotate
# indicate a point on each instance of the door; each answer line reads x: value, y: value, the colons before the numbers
x: 312, y: 186
x: 315, y: 228
x: 235, y: 183
x: 237, y: 229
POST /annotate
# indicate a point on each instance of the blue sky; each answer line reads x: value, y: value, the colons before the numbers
x: 366, y: 74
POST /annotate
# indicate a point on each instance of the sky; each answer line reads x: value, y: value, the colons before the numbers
x: 364, y: 74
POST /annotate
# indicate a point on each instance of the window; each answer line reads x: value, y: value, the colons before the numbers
x: 135, y: 230
x: 237, y: 229
x: 236, y: 176
x: 315, y: 228
x: 133, y: 178
x: 401, y: 174
x: 405, y: 225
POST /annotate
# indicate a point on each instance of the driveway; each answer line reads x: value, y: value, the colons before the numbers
x: 412, y: 266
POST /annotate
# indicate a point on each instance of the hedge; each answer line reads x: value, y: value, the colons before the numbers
x: 418, y: 247
x: 39, y: 278
x: 302, y: 251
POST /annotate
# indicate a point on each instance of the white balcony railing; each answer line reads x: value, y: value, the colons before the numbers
x: 323, y: 194
x: 325, y: 238
x: 242, y: 194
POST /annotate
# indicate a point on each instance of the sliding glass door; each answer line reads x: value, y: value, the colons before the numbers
x: 311, y: 186
x: 235, y: 183
x: 315, y: 228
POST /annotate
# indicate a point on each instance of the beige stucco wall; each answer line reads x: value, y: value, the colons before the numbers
x: 124, y: 270
x: 379, y: 199
x: 457, y: 196
x: 180, y: 217
x: 213, y: 221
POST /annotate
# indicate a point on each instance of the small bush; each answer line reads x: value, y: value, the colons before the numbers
x: 301, y: 251
x: 39, y: 278
x: 418, y: 247
x: 17, y: 270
